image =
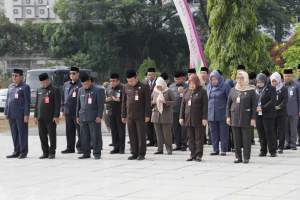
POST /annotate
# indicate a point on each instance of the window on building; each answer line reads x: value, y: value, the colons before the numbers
x: 16, y: 11
x: 27, y: 1
x: 41, y: 1
x: 42, y: 12
x: 28, y: 11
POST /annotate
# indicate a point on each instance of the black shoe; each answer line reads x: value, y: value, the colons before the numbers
x: 132, y: 157
x: 262, y: 155
x: 84, y: 156
x: 114, y: 151
x: 158, y: 152
x: 22, y: 156
x: 214, y: 153
x: 97, y: 157
x: 198, y: 159
x: 177, y: 149
x: 273, y: 155
x: 287, y: 147
x: 79, y: 152
x: 44, y: 156
x: 122, y: 152
x: 183, y: 148
x: 190, y: 159
x: 246, y: 161
x: 170, y: 153
x: 252, y: 142
x: 68, y: 151
x: 141, y: 158
x: 150, y: 144
x: 51, y: 156
x: 223, y: 154
x: 293, y: 148
x: 110, y: 145
x: 280, y: 151
x: 237, y: 161
x: 14, y: 155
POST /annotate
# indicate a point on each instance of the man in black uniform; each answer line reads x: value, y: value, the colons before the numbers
x: 69, y: 102
x: 17, y: 110
x: 47, y: 110
x: 114, y: 105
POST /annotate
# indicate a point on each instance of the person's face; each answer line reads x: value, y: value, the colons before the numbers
x: 274, y: 83
x: 74, y: 76
x: 87, y: 84
x: 288, y: 77
x: 16, y: 78
x: 151, y: 76
x: 214, y: 81
x: 192, y: 86
x: 298, y: 71
x: 179, y: 80
x: 190, y: 74
x: 45, y: 83
x: 114, y: 82
x: 240, y: 79
x: 260, y: 84
x: 132, y: 81
x: 204, y: 76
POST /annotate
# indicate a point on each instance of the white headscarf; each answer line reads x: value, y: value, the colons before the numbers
x: 276, y: 76
x: 160, y: 82
x: 246, y: 86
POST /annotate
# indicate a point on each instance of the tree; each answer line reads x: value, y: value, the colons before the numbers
x: 234, y: 38
x: 292, y: 54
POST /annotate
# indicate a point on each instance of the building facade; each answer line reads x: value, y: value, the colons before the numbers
x: 37, y: 11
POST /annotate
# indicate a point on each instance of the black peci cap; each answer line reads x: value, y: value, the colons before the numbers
x: 74, y: 69
x: 165, y: 76
x: 179, y: 74
x: 151, y: 69
x: 18, y: 71
x: 43, y: 76
x: 204, y: 69
x: 114, y: 76
x: 241, y: 67
x: 288, y: 71
x: 192, y: 71
x: 131, y: 73
x: 85, y: 77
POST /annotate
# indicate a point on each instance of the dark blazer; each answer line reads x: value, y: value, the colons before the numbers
x: 268, y: 101
x: 281, y: 101
x: 47, y: 111
x: 241, y: 113
x: 69, y: 100
x: 136, y: 109
x: 89, y: 112
x: 18, y: 101
x: 167, y: 115
x: 114, y: 108
x: 194, y: 114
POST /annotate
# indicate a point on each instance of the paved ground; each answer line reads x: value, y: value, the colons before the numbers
x: 158, y: 177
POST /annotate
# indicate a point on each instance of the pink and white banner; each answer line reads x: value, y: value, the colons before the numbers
x: 197, y: 58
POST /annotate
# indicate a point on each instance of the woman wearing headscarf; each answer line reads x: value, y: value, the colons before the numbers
x: 217, y: 92
x: 280, y: 107
x: 241, y: 114
x: 265, y: 119
x: 193, y: 115
x: 163, y: 100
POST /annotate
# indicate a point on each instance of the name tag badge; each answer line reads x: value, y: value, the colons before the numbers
x: 189, y: 102
x: 136, y: 98
x: 260, y: 113
x: 16, y: 95
x: 238, y: 99
x: 181, y: 94
x: 277, y: 97
x: 89, y: 100
x: 118, y: 94
x: 291, y: 93
x: 74, y: 94
x: 47, y: 100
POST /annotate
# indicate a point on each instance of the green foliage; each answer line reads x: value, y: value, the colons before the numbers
x: 234, y: 38
x: 292, y: 55
x: 144, y: 66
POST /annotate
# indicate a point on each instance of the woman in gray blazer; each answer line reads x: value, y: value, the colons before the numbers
x: 241, y: 114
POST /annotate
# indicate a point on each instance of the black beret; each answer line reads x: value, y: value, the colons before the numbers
x: 192, y: 71
x: 252, y: 75
x: 298, y: 66
x: 18, y: 71
x: 114, y: 76
x: 241, y: 67
x: 204, y: 69
x: 179, y: 74
x: 288, y: 71
x: 130, y: 73
x: 43, y: 76
x: 151, y: 69
x: 85, y: 77
x: 74, y: 69
x: 165, y: 76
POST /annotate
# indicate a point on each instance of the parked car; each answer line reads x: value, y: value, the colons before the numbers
x: 3, y: 97
x: 58, y: 76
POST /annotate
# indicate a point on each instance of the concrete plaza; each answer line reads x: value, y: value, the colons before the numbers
x: 158, y: 177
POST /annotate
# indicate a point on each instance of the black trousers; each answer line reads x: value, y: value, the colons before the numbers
x: 280, y: 128
x: 19, y: 132
x: 179, y: 132
x: 242, y: 139
x: 71, y: 128
x: 118, y: 132
x: 151, y: 133
x: 137, y: 136
x: 267, y: 135
x: 196, y: 140
x: 47, y: 129
x: 91, y: 136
